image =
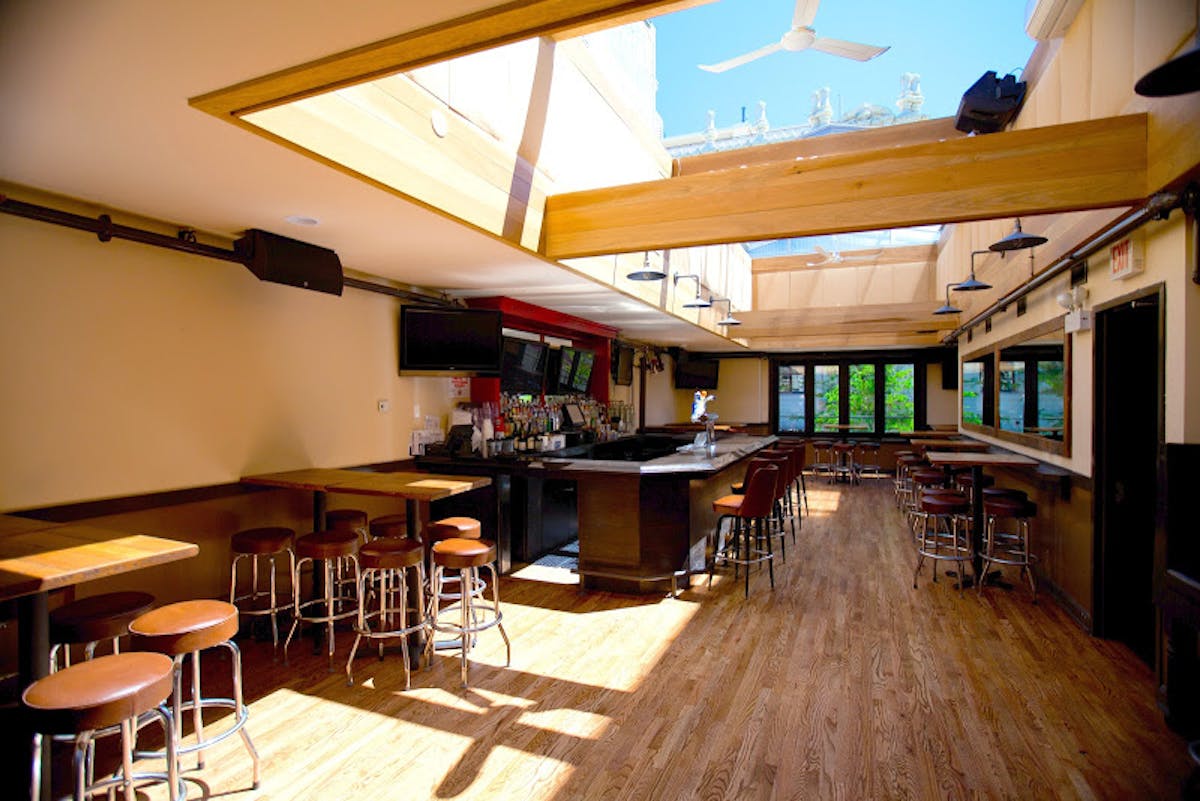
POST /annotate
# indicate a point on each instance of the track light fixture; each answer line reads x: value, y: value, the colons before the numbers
x: 728, y: 319
x: 1017, y: 240
x: 647, y: 273
x: 972, y: 284
x: 698, y: 302
x: 948, y: 308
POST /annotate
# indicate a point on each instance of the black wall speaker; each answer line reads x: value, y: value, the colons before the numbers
x: 289, y: 261
x: 990, y: 104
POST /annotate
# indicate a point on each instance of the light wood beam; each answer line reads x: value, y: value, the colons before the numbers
x: 911, y: 133
x: 827, y: 341
x: 503, y: 24
x: 1092, y: 164
x: 907, y: 254
x: 845, y: 320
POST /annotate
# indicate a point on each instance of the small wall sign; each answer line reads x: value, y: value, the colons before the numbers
x: 1124, y: 259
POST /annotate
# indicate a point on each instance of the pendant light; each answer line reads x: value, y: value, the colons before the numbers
x: 1179, y: 76
x: 728, y: 319
x: 972, y: 284
x: 1017, y: 240
x: 948, y: 308
x: 647, y: 273
x: 698, y: 302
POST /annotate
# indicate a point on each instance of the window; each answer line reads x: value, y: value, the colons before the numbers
x: 868, y: 394
x: 898, y: 385
x: 1050, y: 394
x: 826, y: 397
x: 791, y: 398
x: 1012, y: 396
x: 862, y: 397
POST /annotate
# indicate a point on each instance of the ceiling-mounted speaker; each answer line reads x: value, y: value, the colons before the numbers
x: 289, y: 261
x: 990, y: 104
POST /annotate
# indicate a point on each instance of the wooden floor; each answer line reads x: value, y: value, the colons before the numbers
x: 843, y: 683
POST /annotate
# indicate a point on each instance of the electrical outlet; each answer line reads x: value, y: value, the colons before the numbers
x: 384, y: 405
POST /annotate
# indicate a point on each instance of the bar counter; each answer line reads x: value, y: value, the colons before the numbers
x: 641, y: 523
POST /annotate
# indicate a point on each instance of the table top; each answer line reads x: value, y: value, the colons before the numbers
x: 973, y: 459
x: 21, y: 525
x: 951, y: 444
x: 57, y: 555
x: 414, y: 486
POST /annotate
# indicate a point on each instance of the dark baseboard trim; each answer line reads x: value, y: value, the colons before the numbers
x: 1072, y: 607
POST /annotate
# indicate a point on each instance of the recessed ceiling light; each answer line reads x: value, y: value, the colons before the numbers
x: 300, y: 219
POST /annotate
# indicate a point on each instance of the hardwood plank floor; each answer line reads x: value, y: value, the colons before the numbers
x: 842, y: 683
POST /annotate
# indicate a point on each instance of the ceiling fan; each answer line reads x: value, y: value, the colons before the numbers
x: 823, y: 257
x: 802, y: 36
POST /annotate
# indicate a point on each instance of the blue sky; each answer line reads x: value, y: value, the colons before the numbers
x: 950, y: 43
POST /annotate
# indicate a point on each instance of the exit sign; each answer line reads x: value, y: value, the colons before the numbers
x: 1124, y: 260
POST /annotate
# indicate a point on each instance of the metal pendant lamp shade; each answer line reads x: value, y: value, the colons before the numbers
x: 728, y: 319
x: 948, y: 307
x: 647, y: 273
x: 1017, y: 240
x: 972, y: 284
x: 1178, y: 76
x: 697, y: 302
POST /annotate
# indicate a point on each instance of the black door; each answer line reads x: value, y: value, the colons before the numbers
x: 1128, y: 414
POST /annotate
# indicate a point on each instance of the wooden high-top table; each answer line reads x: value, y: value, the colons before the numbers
x: 38, y: 556
x: 976, y: 461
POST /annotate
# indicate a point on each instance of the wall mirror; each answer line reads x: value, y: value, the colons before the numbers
x: 1019, y: 389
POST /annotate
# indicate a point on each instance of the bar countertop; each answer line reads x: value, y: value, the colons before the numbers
x: 686, y: 459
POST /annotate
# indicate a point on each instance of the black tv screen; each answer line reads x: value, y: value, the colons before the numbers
x: 523, y: 368
x: 581, y: 376
x: 622, y: 366
x: 566, y: 365
x: 696, y: 373
x: 434, y: 339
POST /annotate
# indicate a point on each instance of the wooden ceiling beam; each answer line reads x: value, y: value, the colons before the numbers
x: 909, y: 133
x: 1082, y: 165
x: 492, y: 27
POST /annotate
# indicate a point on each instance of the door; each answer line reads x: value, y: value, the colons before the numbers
x: 1128, y: 419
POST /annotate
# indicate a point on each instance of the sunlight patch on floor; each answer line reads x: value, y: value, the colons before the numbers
x: 548, y: 575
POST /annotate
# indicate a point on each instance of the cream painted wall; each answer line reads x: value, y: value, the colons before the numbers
x: 941, y: 405
x: 742, y: 393
x: 131, y: 369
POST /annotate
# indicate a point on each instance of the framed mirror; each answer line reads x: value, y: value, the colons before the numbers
x: 1019, y: 389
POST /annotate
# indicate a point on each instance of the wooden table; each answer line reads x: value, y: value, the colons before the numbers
x: 977, y: 461
x: 955, y: 445
x: 37, y: 557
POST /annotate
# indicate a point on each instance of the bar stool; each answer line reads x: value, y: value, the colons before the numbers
x: 922, y: 478
x: 389, y: 526
x: 92, y: 620
x: 1009, y: 547
x: 748, y: 511
x: 184, y: 629
x: 251, y: 544
x: 463, y: 528
x: 905, y: 464
x: 347, y: 520
x: 966, y: 482
x: 331, y: 549
x: 782, y: 511
x: 822, y: 457
x: 81, y: 700
x: 1003, y: 492
x: 947, y: 537
x: 867, y: 458
x: 800, y: 452
x: 467, y: 556
x: 843, y: 455
x: 387, y: 561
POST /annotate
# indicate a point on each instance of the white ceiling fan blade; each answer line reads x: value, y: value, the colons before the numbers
x: 854, y: 50
x: 742, y: 59
x: 806, y: 12
x: 820, y: 256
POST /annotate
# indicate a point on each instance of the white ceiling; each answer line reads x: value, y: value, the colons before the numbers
x: 93, y: 105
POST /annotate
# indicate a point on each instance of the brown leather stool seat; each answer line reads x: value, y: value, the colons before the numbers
x: 334, y: 553
x: 728, y: 504
x: 107, y: 691
x: 389, y: 526
x: 468, y: 557
x: 384, y: 564
x: 1009, y: 547
x: 928, y: 477
x: 1003, y: 492
x: 346, y: 520
x: 184, y: 629
x: 943, y: 534
x: 250, y: 544
x: 463, y: 528
x: 90, y: 620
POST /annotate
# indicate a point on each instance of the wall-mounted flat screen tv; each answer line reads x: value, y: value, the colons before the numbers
x: 566, y: 364
x: 523, y: 367
x: 696, y: 373
x: 581, y: 376
x: 622, y: 365
x: 436, y: 340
